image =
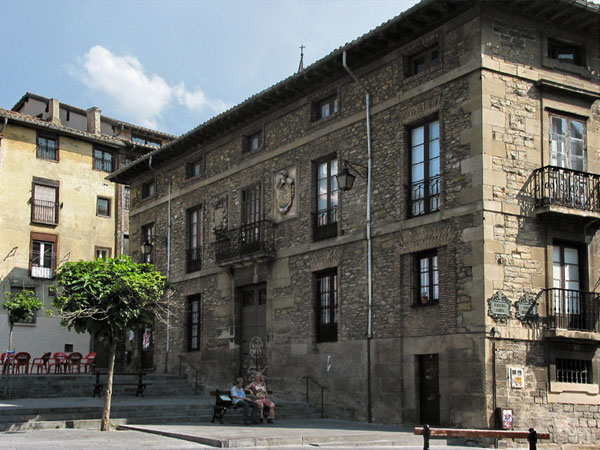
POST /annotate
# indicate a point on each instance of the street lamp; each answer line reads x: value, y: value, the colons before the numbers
x: 345, y: 179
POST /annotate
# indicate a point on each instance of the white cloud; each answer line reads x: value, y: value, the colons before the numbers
x: 141, y: 96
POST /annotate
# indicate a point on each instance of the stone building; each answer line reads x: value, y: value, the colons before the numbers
x: 455, y: 277
x: 56, y: 204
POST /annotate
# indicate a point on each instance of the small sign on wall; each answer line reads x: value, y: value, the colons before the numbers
x: 508, y: 418
x: 516, y: 376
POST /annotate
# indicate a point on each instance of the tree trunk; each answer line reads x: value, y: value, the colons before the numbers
x: 105, y: 424
x: 10, y: 335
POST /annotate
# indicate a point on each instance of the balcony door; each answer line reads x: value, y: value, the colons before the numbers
x: 254, y: 328
x: 251, y: 209
x: 566, y: 281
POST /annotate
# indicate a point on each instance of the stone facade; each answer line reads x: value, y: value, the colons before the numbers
x: 409, y: 353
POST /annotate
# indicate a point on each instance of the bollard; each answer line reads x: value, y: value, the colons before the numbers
x: 532, y: 439
x: 426, y: 435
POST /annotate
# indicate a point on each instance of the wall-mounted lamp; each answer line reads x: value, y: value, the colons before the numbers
x: 147, y: 246
x: 345, y: 178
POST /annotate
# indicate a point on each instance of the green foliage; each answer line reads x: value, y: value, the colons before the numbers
x: 21, y: 305
x: 108, y: 297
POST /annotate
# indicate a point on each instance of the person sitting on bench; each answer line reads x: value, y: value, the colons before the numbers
x: 238, y: 397
x: 259, y: 390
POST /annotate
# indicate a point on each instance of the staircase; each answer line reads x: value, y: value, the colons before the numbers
x: 65, y: 401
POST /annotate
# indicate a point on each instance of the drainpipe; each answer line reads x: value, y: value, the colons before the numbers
x: 369, y: 245
x: 169, y: 225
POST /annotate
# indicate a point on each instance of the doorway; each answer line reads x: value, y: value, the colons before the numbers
x: 254, y: 329
x: 429, y: 389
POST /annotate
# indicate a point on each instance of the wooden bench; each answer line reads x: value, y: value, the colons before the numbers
x: 223, y: 403
x: 139, y: 384
x: 532, y: 436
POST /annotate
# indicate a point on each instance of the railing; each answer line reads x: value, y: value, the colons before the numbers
x: 573, y: 310
x: 44, y: 211
x: 323, y: 388
x: 248, y: 239
x: 42, y: 272
x: 424, y: 196
x: 325, y: 224
x: 194, y: 259
x: 566, y: 187
x: 196, y: 371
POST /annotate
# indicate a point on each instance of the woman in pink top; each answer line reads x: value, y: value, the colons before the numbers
x: 259, y: 391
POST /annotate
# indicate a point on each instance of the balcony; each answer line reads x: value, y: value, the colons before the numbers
x: 325, y: 224
x: 249, y: 243
x: 44, y: 211
x: 573, y: 314
x: 193, y: 259
x: 560, y: 192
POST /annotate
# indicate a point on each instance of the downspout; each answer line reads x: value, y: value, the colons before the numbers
x: 369, y: 244
x: 169, y: 225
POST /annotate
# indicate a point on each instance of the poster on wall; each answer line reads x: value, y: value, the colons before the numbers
x: 508, y: 419
x: 517, y: 377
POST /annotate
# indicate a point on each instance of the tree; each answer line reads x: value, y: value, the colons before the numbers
x: 20, y: 307
x: 106, y: 298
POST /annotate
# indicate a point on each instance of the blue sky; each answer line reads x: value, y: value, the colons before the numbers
x: 170, y: 64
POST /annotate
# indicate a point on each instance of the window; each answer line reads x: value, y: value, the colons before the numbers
x: 326, y: 217
x: 427, y: 281
x: 31, y: 318
x: 323, y: 109
x: 252, y: 142
x: 567, y: 283
x: 126, y: 198
x: 195, y: 168
x: 425, y: 169
x: 567, y: 142
x: 47, y: 147
x: 566, y: 52
x: 147, y: 236
x: 194, y: 303
x: 103, y: 207
x: 43, y: 255
x: 148, y: 189
x: 194, y: 256
x: 102, y: 253
x: 103, y: 160
x: 574, y: 371
x: 327, y: 305
x: 44, y: 201
x: 145, y: 140
x: 125, y: 245
x: 423, y: 60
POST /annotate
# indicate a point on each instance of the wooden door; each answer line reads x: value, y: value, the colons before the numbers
x: 254, y: 329
x: 429, y: 389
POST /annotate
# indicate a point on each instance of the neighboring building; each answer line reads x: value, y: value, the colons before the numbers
x: 485, y: 139
x: 57, y: 205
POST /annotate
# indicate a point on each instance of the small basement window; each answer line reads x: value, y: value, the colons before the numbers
x: 574, y: 371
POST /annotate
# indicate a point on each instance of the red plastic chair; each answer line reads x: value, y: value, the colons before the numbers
x: 8, y: 362
x: 21, y: 360
x: 41, y: 363
x: 88, y: 361
x: 59, y: 362
x: 74, y: 361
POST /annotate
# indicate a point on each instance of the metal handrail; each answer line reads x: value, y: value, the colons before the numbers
x: 323, y: 388
x: 566, y: 187
x: 196, y: 371
x: 572, y: 309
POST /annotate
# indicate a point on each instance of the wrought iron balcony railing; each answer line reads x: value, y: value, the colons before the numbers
x: 194, y: 259
x: 43, y: 211
x: 557, y: 186
x: 250, y: 239
x: 325, y: 224
x: 573, y: 310
x: 424, y: 196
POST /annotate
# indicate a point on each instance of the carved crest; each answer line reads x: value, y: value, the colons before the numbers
x: 285, y: 191
x: 219, y: 207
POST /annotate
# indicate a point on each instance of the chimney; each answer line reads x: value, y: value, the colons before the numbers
x: 54, y: 110
x: 93, y: 120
